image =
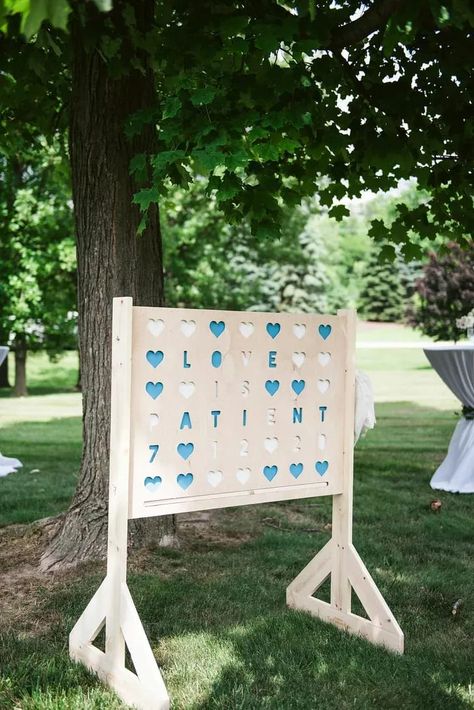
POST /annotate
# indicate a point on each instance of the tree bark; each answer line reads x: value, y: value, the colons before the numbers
x: 112, y: 259
x: 20, y: 389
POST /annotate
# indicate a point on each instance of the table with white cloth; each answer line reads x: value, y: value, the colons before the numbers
x: 455, y: 365
x: 3, y: 353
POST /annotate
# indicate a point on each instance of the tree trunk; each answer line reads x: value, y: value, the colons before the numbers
x: 112, y: 259
x: 20, y: 367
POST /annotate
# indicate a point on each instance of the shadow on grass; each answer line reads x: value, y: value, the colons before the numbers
x: 215, y: 614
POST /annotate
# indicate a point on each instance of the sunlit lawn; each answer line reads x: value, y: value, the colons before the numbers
x: 214, y: 609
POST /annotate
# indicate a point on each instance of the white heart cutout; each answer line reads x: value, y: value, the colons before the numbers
x: 243, y: 475
x: 271, y: 444
x: 153, y: 420
x: 214, y: 478
x: 187, y: 389
x: 322, y: 441
x: 298, y: 359
x: 155, y: 326
x: 323, y: 385
x: 188, y: 327
x: 246, y: 329
x: 299, y: 330
x: 324, y: 359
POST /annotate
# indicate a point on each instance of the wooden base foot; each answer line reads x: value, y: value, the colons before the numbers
x: 347, y: 567
x: 144, y: 690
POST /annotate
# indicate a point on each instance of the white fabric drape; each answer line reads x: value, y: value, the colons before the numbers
x: 455, y: 365
x: 364, y: 418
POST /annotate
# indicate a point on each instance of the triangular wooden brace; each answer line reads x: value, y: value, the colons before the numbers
x: 381, y: 627
x: 144, y: 690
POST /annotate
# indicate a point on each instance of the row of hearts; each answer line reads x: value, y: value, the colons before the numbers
x: 156, y: 357
x: 154, y: 389
x: 270, y: 444
x: 188, y: 327
x: 184, y: 480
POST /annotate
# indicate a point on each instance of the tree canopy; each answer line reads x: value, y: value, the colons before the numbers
x: 273, y: 102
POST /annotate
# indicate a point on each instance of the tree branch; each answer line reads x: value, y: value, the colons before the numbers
x: 373, y: 19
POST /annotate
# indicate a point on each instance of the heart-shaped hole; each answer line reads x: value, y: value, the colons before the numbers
x: 296, y: 469
x: 321, y: 467
x: 323, y: 385
x: 217, y: 327
x: 324, y: 331
x: 246, y: 329
x: 152, y: 483
x: 154, y: 389
x: 184, y: 480
x: 185, y: 450
x: 270, y: 472
x: 324, y: 359
x: 155, y: 357
x: 298, y: 359
x: 297, y: 386
x: 243, y: 475
x: 271, y: 444
x: 155, y: 326
x: 188, y: 327
x: 214, y: 478
x: 272, y: 387
x: 299, y: 329
x: 186, y: 389
x: 273, y: 329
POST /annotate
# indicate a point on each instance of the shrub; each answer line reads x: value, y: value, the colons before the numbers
x: 444, y: 292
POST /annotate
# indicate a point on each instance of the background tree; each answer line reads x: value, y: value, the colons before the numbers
x: 257, y: 99
x: 383, y: 297
x: 37, y: 251
x: 444, y: 292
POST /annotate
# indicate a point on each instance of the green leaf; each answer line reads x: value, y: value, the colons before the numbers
x: 339, y: 212
x: 202, y: 97
x: 144, y: 198
x: 103, y: 5
x: 171, y: 107
x: 54, y: 11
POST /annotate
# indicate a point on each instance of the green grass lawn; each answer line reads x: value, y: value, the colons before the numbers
x: 214, y: 609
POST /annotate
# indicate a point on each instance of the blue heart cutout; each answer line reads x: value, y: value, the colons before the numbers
x: 325, y: 331
x: 270, y: 472
x: 216, y: 358
x: 321, y: 467
x: 273, y: 329
x: 185, y: 450
x: 152, y: 482
x: 154, y: 389
x: 296, y: 469
x: 298, y: 386
x: 272, y: 386
x: 154, y: 357
x: 184, y: 480
x: 217, y: 327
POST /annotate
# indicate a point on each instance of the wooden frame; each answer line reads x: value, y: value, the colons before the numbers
x: 112, y: 605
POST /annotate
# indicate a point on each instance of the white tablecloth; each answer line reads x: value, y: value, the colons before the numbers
x: 3, y: 353
x: 455, y: 365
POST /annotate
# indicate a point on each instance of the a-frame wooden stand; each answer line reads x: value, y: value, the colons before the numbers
x: 112, y: 604
x: 339, y: 558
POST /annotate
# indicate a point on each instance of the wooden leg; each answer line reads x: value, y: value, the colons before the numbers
x: 144, y: 690
x: 380, y: 628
